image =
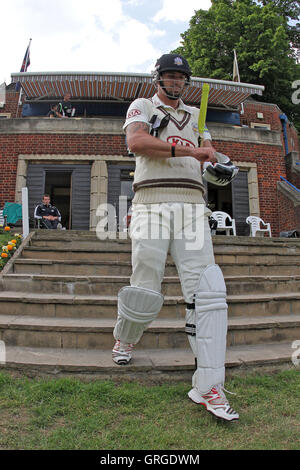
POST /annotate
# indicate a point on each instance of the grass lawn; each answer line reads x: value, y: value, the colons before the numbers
x: 69, y: 413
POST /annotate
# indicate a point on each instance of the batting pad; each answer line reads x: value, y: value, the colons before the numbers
x: 137, y: 308
x: 211, y: 329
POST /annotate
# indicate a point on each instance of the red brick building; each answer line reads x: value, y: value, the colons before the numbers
x: 83, y: 161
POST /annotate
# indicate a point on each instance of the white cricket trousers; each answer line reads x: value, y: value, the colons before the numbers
x: 170, y: 230
x: 179, y: 228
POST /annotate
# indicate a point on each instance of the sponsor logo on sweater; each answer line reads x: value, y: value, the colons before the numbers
x: 133, y: 113
x: 174, y: 139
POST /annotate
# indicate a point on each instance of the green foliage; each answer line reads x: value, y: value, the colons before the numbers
x: 264, y: 40
x: 5, y: 238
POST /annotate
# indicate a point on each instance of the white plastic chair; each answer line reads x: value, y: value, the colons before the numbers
x: 255, y: 226
x: 2, y: 219
x: 221, y: 218
x: 126, y: 220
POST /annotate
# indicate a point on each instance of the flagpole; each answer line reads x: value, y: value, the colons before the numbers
x: 25, y: 67
x: 236, y: 69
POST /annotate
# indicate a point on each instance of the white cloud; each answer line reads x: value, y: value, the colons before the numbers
x: 71, y: 35
x: 94, y: 35
x: 180, y: 10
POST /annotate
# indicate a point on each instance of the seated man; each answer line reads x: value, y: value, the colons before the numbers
x: 65, y: 108
x: 53, y: 113
x: 48, y: 214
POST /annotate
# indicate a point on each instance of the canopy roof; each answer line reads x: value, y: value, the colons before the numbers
x: 125, y: 87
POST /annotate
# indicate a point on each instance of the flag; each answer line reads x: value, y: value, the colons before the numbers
x: 26, y: 60
x: 235, y: 74
x: 25, y: 64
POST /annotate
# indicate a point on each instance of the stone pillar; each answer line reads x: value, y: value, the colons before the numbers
x: 253, y: 192
x: 99, y: 179
x: 21, y: 179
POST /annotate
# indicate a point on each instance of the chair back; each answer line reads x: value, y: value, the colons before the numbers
x: 254, y: 221
x: 2, y: 219
x: 221, y: 217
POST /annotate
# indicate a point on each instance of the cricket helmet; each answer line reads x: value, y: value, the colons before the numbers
x: 171, y: 63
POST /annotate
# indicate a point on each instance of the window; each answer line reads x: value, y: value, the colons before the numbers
x: 260, y: 125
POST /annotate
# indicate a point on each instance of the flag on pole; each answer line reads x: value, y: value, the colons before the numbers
x: 26, y: 60
x: 236, y: 73
x: 25, y: 64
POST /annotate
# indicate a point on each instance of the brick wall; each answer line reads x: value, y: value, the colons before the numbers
x: 293, y: 139
x: 270, y: 166
x: 270, y: 112
x: 269, y: 160
x: 11, y: 104
x: 288, y: 215
x: 13, y: 145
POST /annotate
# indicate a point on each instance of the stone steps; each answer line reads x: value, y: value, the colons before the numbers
x: 123, y: 268
x: 110, y: 285
x: 150, y: 364
x: 96, y: 333
x: 58, y: 304
x: 240, y: 257
x: 174, y: 306
x: 222, y: 244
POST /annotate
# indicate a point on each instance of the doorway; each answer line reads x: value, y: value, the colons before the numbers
x: 59, y: 187
x: 219, y: 198
x: 232, y: 199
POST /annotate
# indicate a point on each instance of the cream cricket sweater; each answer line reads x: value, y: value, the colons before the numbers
x: 176, y: 179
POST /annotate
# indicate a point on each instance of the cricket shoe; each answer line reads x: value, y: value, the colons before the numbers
x: 122, y: 353
x: 215, y: 402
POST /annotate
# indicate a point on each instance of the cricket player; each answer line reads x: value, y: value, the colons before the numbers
x: 162, y: 132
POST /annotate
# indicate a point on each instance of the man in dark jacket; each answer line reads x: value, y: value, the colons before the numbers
x: 48, y: 214
x: 65, y: 107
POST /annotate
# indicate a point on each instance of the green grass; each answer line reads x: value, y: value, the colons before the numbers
x: 67, y: 414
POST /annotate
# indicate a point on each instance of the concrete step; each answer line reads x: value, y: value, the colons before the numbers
x: 96, y: 255
x: 85, y: 306
x: 75, y: 306
x: 92, y: 333
x: 222, y: 244
x: 75, y: 254
x: 123, y: 268
x: 150, y: 364
x: 80, y: 267
x: 110, y: 285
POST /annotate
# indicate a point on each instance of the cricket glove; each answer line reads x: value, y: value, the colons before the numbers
x: 220, y: 173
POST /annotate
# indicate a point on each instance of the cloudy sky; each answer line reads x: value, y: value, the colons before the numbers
x: 91, y: 35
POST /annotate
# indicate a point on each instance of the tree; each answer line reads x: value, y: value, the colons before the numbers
x: 290, y: 9
x: 264, y: 40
